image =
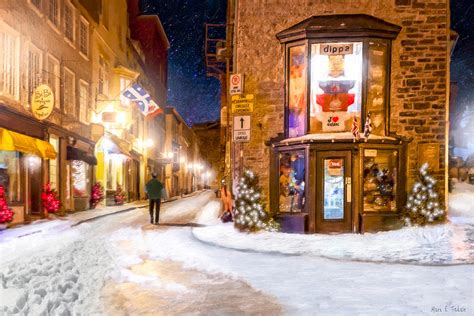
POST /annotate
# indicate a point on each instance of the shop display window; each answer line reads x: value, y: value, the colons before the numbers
x: 333, y: 186
x: 297, y: 91
x: 292, y: 166
x: 53, y: 164
x: 380, y: 180
x: 79, y: 178
x: 376, y: 83
x: 336, y: 86
x: 10, y: 175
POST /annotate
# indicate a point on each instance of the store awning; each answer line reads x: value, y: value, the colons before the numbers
x: 18, y: 142
x: 77, y: 154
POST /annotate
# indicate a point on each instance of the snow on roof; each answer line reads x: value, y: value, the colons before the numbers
x: 333, y: 136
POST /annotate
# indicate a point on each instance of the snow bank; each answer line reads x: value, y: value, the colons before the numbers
x: 461, y: 201
x: 436, y: 245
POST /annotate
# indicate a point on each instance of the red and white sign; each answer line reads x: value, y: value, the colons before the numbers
x: 235, y: 84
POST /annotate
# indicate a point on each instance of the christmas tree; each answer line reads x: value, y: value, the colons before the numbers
x: 119, y: 195
x: 50, y: 199
x: 97, y: 194
x: 6, y: 214
x: 250, y: 214
x: 423, y: 204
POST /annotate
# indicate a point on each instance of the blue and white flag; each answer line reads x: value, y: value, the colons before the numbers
x: 140, y: 96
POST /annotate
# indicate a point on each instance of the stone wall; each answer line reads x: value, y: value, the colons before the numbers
x: 418, y: 78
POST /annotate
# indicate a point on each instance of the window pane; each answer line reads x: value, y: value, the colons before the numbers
x: 292, y: 181
x: 79, y: 178
x: 34, y: 72
x: 333, y: 188
x: 84, y: 38
x: 69, y: 95
x: 83, y: 95
x: 380, y: 180
x: 376, y: 86
x: 9, y: 65
x: 53, y: 163
x: 336, y: 86
x: 69, y: 22
x: 297, y: 92
x: 10, y: 175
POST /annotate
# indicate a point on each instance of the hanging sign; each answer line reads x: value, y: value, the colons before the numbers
x: 235, y: 84
x: 243, y: 103
x: 42, y: 102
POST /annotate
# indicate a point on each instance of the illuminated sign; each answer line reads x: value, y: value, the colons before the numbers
x: 42, y: 102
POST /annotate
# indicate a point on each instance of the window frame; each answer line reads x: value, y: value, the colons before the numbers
x: 16, y: 73
x: 55, y: 24
x: 85, y: 54
x: 68, y: 4
x: 308, y: 43
x: 38, y: 9
x: 29, y: 88
x: 67, y: 106
x: 82, y: 117
x: 57, y: 87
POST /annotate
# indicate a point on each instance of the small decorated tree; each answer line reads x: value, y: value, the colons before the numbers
x: 119, y: 195
x: 49, y: 197
x: 423, y: 204
x: 6, y: 213
x: 97, y: 195
x: 250, y: 214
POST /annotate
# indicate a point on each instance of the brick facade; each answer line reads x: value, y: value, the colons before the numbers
x: 419, y: 69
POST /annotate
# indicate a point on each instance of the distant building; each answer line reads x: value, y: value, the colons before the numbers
x: 208, y: 135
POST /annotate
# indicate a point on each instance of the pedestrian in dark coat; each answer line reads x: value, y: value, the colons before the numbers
x: 153, y: 189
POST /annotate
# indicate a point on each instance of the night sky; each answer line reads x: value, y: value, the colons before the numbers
x: 197, y: 97
x: 190, y: 91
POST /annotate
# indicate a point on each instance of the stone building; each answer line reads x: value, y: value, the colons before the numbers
x: 209, y: 138
x: 315, y: 67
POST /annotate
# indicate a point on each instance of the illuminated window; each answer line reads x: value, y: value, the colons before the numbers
x: 83, y: 100
x: 9, y: 62
x: 297, y: 91
x: 292, y: 181
x: 53, y: 164
x: 336, y: 86
x: 69, y: 92
x: 69, y: 24
x: 10, y: 175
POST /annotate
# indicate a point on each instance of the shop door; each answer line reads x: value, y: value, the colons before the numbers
x: 33, y: 182
x: 333, y: 200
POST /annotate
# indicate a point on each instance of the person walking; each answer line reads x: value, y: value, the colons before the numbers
x: 153, y: 189
x: 226, y: 198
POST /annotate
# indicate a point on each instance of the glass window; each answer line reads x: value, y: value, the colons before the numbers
x: 9, y: 63
x: 10, y: 175
x: 79, y: 178
x: 336, y: 86
x: 53, y: 12
x: 34, y: 70
x: 53, y: 164
x: 297, y: 92
x: 69, y: 92
x: 380, y: 180
x: 333, y: 186
x: 69, y: 21
x: 53, y: 78
x: 377, y: 78
x: 83, y: 101
x: 292, y: 181
x: 84, y: 37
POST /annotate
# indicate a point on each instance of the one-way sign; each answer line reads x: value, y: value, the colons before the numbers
x: 241, y: 128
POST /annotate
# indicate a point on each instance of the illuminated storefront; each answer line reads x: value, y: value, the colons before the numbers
x: 324, y: 176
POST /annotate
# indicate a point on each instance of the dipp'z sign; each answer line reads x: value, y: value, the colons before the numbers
x: 336, y: 49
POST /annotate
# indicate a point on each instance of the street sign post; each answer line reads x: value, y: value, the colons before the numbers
x: 241, y: 129
x: 236, y: 83
x: 242, y: 104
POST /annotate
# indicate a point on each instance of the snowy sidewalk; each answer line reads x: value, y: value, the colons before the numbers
x: 61, y: 223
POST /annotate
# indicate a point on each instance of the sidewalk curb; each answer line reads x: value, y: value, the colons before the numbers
x: 108, y: 214
x: 279, y: 253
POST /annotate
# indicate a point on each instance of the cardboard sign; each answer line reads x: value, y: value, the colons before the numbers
x: 336, y: 49
x: 42, y: 102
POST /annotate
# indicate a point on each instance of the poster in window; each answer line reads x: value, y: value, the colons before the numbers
x: 297, y: 92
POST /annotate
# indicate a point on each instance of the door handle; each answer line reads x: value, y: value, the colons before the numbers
x: 348, y: 189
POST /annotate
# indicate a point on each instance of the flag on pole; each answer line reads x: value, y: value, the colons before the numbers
x: 355, y: 128
x: 142, y: 99
x: 368, y: 126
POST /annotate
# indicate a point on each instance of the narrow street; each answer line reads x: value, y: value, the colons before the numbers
x: 122, y: 265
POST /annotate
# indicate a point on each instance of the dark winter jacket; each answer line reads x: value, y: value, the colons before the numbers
x: 153, y: 188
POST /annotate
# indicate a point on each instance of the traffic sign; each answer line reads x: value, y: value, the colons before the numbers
x: 236, y: 83
x: 241, y: 128
x: 243, y: 103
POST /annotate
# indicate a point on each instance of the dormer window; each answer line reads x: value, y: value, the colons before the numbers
x: 347, y: 77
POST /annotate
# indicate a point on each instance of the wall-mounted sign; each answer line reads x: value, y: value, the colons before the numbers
x: 241, y: 129
x: 243, y: 103
x: 42, y: 102
x: 336, y: 49
x: 235, y: 84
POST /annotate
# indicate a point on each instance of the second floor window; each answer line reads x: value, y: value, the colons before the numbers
x: 53, y: 11
x: 34, y: 70
x: 9, y: 64
x: 53, y: 78
x: 69, y: 92
x: 69, y: 21
x: 103, y: 82
x: 84, y: 37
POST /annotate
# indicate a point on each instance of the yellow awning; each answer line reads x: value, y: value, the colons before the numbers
x: 18, y: 142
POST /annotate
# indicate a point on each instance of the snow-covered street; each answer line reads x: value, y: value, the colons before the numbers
x: 122, y: 265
